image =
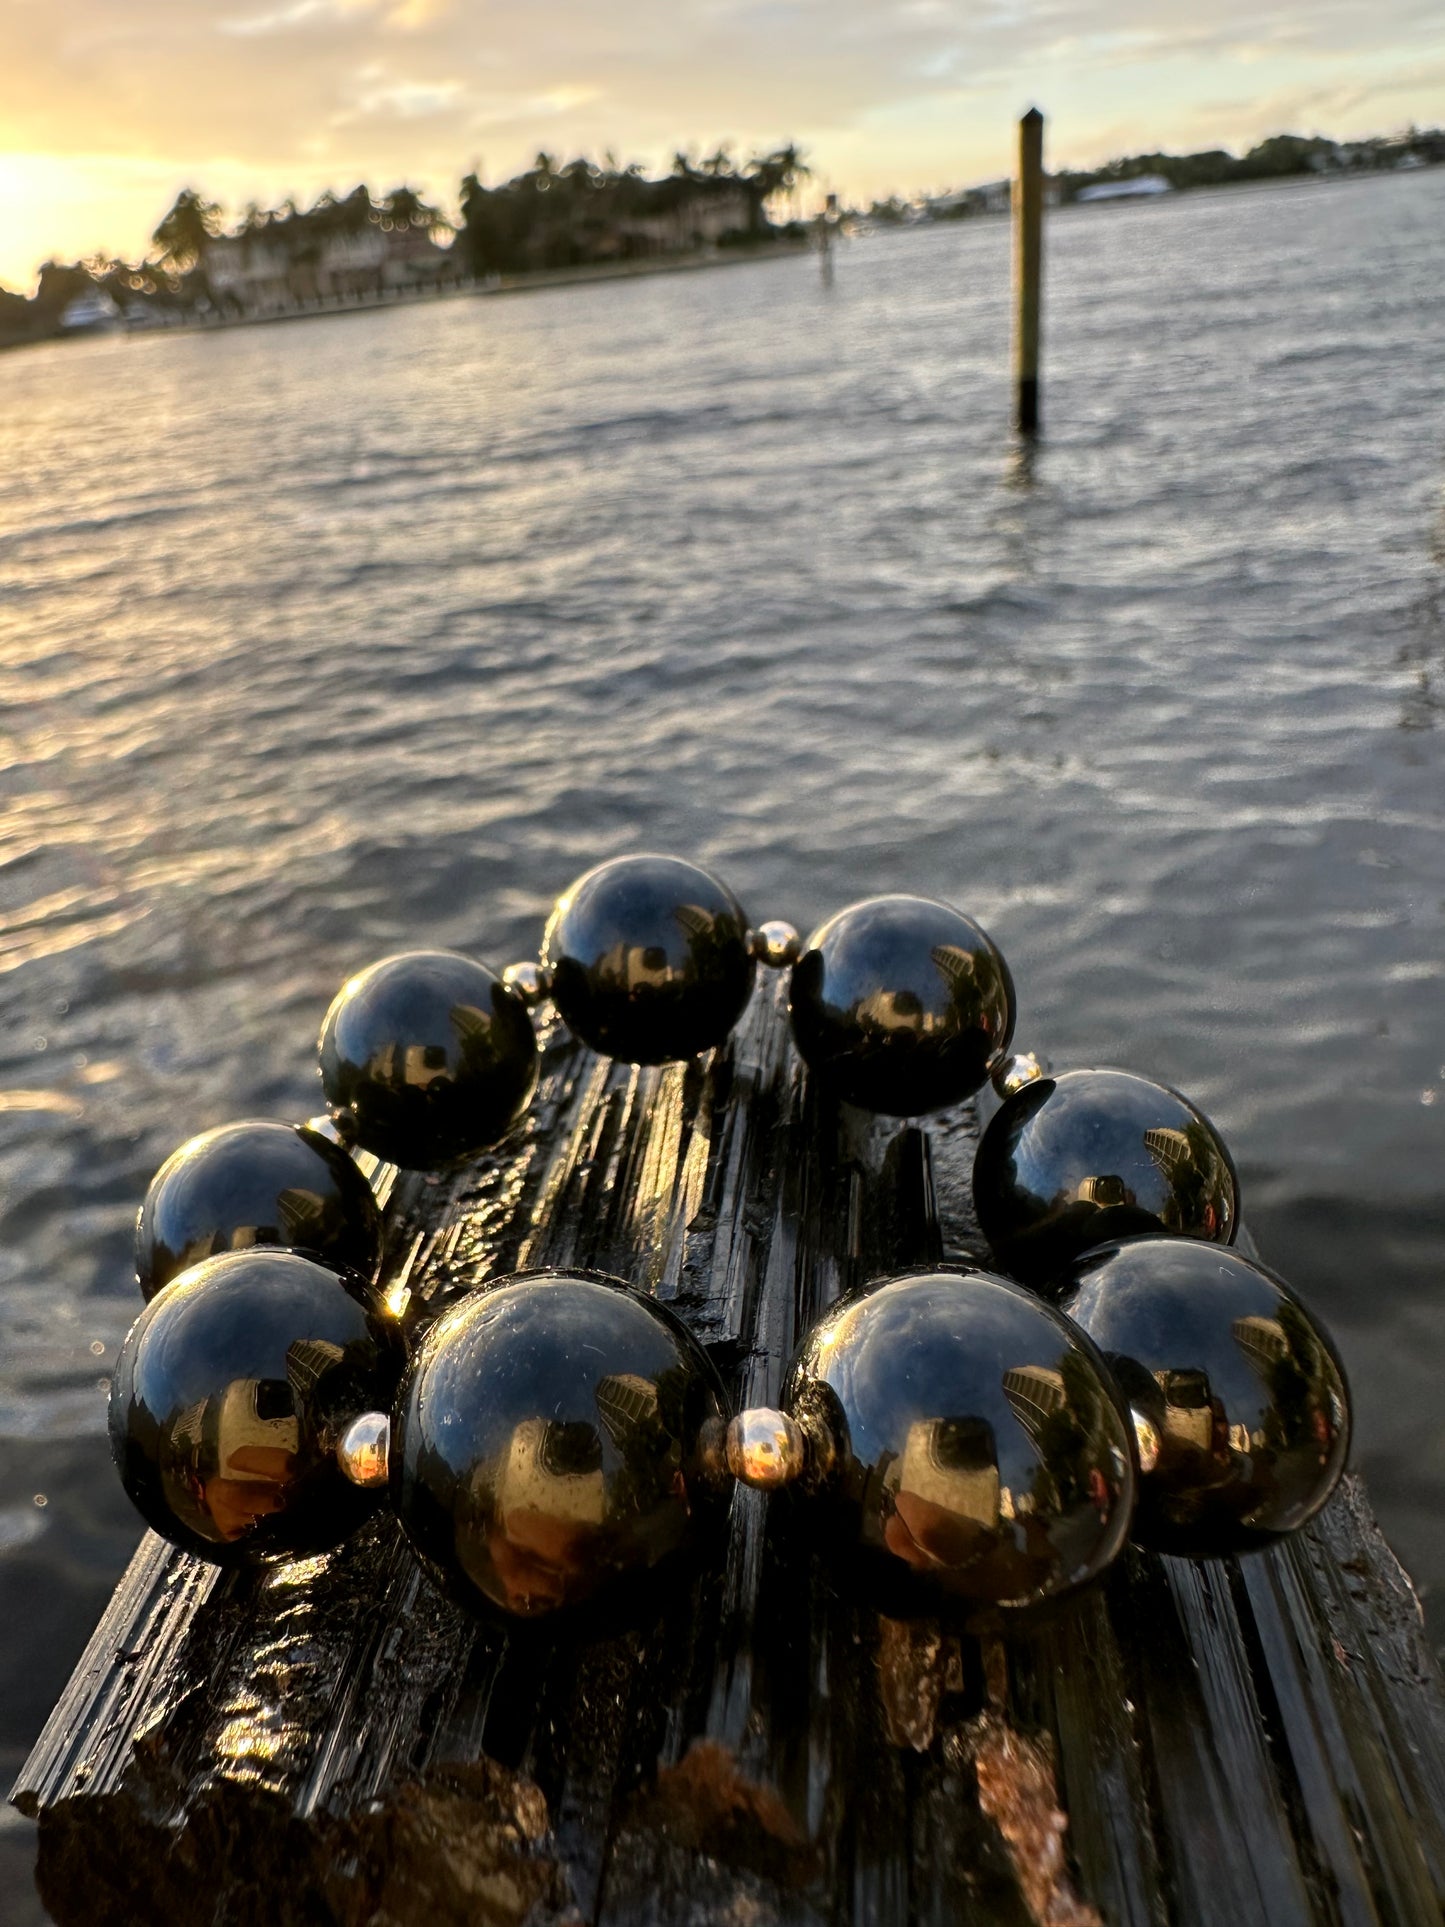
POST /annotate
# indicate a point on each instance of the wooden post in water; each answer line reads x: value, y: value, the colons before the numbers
x: 1028, y: 213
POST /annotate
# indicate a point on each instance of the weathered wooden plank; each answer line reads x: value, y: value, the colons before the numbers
x: 330, y: 1741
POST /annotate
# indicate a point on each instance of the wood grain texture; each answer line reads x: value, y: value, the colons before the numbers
x: 329, y: 1741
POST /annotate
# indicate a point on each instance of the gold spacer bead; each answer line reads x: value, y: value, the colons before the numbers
x: 1013, y: 1074
x: 766, y: 1448
x: 777, y: 945
x: 364, y: 1449
x: 529, y: 982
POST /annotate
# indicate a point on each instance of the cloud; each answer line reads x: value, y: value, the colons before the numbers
x: 282, y: 19
x: 402, y: 14
x: 406, y: 99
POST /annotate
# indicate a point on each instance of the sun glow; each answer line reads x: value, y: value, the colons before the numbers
x: 67, y: 206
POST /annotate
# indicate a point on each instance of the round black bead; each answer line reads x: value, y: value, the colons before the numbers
x: 649, y: 960
x: 256, y: 1184
x: 432, y: 1054
x: 1073, y: 1160
x: 899, y: 1004
x: 230, y: 1394
x: 1240, y: 1392
x: 551, y: 1444
x: 968, y: 1442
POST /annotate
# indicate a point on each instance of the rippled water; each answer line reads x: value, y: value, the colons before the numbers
x: 320, y: 639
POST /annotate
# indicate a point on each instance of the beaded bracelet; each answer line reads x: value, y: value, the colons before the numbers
x: 558, y: 1440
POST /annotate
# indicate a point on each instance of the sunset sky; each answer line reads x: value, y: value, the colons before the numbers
x: 108, y: 106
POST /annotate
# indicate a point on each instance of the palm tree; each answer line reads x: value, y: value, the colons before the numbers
x: 405, y: 208
x: 186, y: 231
x: 775, y: 173
x: 778, y: 172
x: 355, y: 213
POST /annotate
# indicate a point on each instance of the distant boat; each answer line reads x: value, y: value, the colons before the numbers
x: 91, y: 313
x: 1142, y: 187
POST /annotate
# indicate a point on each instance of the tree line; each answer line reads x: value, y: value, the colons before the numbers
x: 554, y: 214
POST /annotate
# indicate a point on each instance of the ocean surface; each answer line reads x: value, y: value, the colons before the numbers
x: 324, y: 639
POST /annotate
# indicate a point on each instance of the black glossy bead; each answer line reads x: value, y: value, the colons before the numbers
x: 551, y: 1444
x: 256, y: 1184
x: 431, y: 1053
x: 899, y: 1004
x: 230, y: 1394
x: 649, y: 959
x: 1241, y: 1393
x: 1073, y: 1160
x: 970, y: 1445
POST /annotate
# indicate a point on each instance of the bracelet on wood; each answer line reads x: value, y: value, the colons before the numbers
x: 557, y: 1443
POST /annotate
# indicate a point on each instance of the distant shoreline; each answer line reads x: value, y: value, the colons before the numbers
x: 530, y: 282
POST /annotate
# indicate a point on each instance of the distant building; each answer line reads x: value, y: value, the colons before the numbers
x: 92, y: 312
x: 1141, y: 187
x: 275, y: 266
x: 696, y: 220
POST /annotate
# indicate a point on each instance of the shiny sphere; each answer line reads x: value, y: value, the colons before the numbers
x: 972, y: 1447
x: 550, y: 1444
x: 256, y: 1184
x: 1074, y: 1160
x: 1242, y: 1389
x: 434, y: 1057
x: 649, y: 959
x: 899, y: 1004
x: 231, y: 1393
x: 529, y: 982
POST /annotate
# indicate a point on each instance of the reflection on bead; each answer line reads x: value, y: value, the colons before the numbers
x: 649, y: 959
x: 228, y: 1399
x: 527, y: 981
x: 765, y: 1448
x: 433, y: 1055
x: 982, y: 1453
x: 256, y: 1184
x: 777, y: 944
x: 554, y: 1439
x: 900, y: 1004
x: 1014, y: 1074
x: 364, y: 1448
x: 337, y: 1127
x: 1146, y: 1439
x: 1073, y: 1160
x: 1239, y: 1386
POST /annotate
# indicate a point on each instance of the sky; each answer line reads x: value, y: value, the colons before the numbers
x: 107, y: 107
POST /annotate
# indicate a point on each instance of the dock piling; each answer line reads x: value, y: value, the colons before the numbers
x: 1028, y: 217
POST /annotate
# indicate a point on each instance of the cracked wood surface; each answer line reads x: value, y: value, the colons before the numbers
x: 329, y: 1741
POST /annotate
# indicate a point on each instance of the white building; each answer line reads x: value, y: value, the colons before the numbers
x: 1141, y: 188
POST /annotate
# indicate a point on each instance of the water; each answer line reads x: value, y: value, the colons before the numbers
x: 320, y: 640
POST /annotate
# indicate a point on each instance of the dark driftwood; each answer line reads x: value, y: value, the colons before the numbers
x: 329, y: 1741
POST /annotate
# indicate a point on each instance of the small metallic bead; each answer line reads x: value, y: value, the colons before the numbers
x: 529, y: 982
x: 1016, y: 1073
x: 778, y: 945
x: 766, y: 1448
x: 337, y: 1127
x: 1147, y: 1439
x: 364, y: 1449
